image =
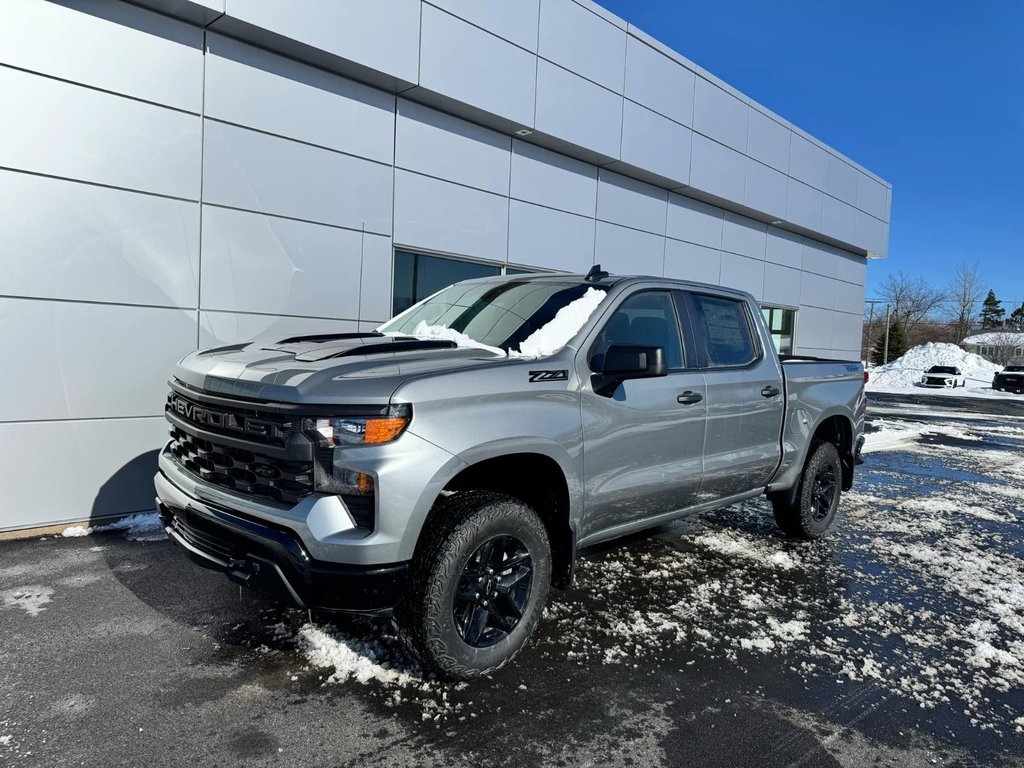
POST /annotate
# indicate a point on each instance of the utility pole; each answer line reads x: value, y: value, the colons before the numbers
x: 871, y: 319
x: 871, y: 323
x: 885, y: 351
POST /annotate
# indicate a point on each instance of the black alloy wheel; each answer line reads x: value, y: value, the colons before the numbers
x: 493, y: 591
x: 809, y: 511
x: 477, y: 584
x: 824, y: 491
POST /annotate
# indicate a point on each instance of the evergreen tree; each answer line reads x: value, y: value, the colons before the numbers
x: 992, y: 311
x: 897, y: 344
x: 1017, y: 318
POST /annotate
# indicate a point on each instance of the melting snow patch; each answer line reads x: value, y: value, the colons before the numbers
x: 145, y: 522
x: 734, y: 544
x: 361, y: 660
x: 30, y: 599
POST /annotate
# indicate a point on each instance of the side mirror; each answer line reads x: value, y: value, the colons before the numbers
x: 623, y: 362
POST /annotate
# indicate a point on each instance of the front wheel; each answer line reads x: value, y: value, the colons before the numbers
x: 478, y: 585
x: 817, y: 501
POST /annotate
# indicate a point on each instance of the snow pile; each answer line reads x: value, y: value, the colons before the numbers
x: 907, y: 370
x: 144, y: 522
x: 443, y: 333
x: 350, y: 657
x: 554, y: 335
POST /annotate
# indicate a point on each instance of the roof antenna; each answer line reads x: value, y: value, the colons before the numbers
x: 595, y: 274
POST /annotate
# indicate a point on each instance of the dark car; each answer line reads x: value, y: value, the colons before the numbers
x: 1010, y: 378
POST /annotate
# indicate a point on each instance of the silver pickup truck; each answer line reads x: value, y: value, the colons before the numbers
x: 447, y: 468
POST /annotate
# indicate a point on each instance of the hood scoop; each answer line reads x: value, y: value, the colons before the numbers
x: 386, y: 346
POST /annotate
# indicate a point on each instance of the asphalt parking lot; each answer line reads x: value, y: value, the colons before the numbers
x: 898, y: 641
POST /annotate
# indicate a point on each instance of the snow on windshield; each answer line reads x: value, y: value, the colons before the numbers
x: 440, y: 332
x: 566, y: 323
x: 546, y: 340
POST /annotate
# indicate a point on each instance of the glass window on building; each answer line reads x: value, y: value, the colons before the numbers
x: 780, y: 323
x: 418, y: 276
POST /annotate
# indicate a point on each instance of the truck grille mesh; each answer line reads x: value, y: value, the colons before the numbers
x: 242, y: 470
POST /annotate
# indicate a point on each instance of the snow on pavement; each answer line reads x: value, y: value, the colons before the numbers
x: 919, y: 593
x: 135, y: 525
x: 30, y: 598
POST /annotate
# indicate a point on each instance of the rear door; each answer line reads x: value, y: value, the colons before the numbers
x: 643, y: 447
x: 745, y: 401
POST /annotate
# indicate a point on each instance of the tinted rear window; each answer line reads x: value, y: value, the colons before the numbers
x: 725, y: 328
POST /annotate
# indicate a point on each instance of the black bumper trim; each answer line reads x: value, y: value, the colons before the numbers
x: 273, y: 561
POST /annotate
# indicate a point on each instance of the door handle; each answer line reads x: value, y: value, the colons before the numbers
x: 770, y: 391
x: 689, y: 398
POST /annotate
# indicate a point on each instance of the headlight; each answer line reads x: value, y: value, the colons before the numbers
x: 365, y: 430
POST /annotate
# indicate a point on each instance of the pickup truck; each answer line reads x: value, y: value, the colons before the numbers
x: 446, y: 469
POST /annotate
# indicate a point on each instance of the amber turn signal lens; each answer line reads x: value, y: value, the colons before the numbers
x: 384, y: 430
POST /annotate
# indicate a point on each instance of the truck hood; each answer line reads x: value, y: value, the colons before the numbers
x: 348, y: 368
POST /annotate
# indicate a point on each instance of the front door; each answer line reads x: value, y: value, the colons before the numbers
x: 643, y: 446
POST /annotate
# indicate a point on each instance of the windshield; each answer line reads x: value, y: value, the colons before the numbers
x: 1013, y: 369
x: 942, y: 369
x: 501, y: 315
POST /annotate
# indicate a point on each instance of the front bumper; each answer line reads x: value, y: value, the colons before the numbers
x: 273, y: 561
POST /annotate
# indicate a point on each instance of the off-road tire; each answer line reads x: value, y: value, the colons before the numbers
x: 457, y: 527
x: 799, y: 520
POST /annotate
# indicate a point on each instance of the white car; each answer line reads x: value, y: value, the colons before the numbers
x: 943, y: 376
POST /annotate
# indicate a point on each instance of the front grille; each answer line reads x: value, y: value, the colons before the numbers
x: 261, y: 454
x: 242, y: 470
x: 251, y: 453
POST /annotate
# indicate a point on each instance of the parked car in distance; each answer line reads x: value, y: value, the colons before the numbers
x: 1011, y: 378
x: 943, y: 376
x: 436, y: 472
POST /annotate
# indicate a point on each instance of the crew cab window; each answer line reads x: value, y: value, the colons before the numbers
x: 723, y: 326
x: 646, y: 319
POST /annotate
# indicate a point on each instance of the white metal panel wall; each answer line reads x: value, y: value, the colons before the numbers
x: 160, y: 212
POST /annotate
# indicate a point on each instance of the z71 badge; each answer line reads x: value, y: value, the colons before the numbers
x: 536, y: 376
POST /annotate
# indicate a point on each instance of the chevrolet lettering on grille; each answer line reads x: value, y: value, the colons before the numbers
x: 196, y: 413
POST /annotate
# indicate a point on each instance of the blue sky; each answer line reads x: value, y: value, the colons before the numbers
x: 928, y: 95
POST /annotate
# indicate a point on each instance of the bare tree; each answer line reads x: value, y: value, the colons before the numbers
x: 964, y: 294
x: 912, y: 299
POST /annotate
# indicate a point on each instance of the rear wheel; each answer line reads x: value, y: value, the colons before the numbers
x: 813, y: 512
x: 478, y: 585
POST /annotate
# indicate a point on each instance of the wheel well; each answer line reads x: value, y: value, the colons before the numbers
x: 839, y: 431
x: 538, y: 481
